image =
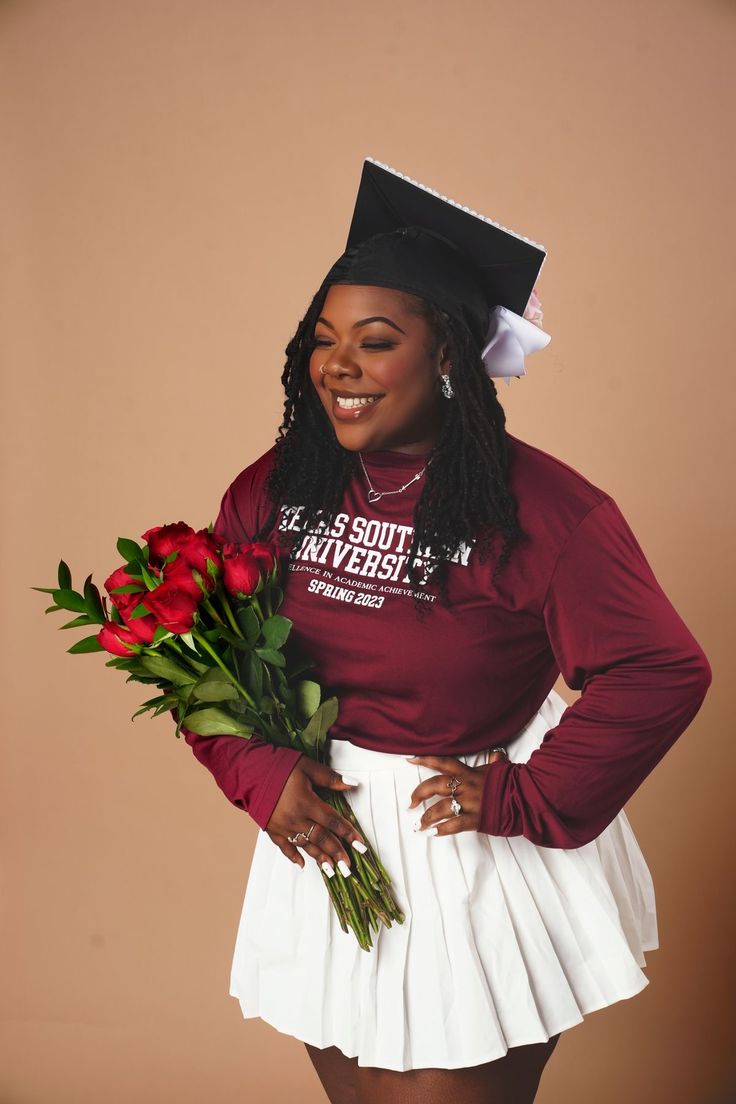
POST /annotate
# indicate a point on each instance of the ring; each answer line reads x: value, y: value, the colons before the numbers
x: 295, y: 837
x: 456, y: 807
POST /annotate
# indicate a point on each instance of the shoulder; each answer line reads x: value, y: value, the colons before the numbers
x: 553, y: 499
x: 254, y: 475
x: 548, y: 490
x: 244, y: 508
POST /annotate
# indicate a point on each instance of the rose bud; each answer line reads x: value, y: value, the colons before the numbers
x: 172, y: 606
x: 267, y: 555
x: 118, y: 639
x: 162, y: 540
x: 242, y: 575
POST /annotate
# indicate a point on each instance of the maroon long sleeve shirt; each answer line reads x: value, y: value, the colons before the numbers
x: 577, y: 597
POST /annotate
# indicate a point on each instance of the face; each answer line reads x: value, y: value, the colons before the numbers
x: 372, y: 347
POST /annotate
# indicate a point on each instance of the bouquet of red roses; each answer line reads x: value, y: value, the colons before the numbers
x: 197, y: 617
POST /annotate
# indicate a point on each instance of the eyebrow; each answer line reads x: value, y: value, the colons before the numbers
x: 365, y: 321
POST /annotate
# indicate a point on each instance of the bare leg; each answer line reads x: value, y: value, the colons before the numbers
x: 513, y: 1079
x: 337, y: 1072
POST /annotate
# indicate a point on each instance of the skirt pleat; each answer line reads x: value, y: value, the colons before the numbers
x: 504, y: 943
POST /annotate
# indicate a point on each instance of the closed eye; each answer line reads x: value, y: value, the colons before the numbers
x: 320, y: 342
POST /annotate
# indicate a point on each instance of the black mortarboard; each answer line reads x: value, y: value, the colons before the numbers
x: 407, y: 236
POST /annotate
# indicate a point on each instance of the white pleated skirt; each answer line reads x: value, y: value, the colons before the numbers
x: 504, y: 942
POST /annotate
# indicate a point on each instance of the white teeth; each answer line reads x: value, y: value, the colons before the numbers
x: 347, y: 403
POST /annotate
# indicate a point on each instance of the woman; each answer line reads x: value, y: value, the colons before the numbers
x: 442, y: 573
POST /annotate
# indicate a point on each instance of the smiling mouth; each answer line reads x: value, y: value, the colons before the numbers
x: 355, y: 401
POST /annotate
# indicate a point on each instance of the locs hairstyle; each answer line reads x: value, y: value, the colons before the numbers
x: 465, y: 495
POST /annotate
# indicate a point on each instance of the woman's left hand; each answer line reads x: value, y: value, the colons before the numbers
x: 439, y: 817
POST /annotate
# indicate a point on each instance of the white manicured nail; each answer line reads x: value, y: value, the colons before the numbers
x: 360, y: 846
x: 329, y: 871
x: 344, y: 869
x: 350, y: 780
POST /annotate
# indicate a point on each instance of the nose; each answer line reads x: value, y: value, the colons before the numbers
x: 338, y: 366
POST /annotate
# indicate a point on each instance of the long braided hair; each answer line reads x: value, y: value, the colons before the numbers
x: 465, y: 496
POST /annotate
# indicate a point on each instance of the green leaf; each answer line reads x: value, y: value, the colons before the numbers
x: 78, y: 622
x: 123, y: 662
x: 164, y: 668
x: 251, y: 670
x: 88, y: 644
x: 139, y: 611
x: 165, y: 707
x: 308, y: 695
x: 130, y: 550
x: 213, y: 686
x: 276, y: 630
x: 160, y: 633
x: 93, y: 602
x: 70, y: 600
x: 65, y: 576
x: 127, y: 588
x: 212, y: 568
x: 269, y: 656
x: 315, y: 734
x: 148, y: 578
x: 188, y: 640
x: 247, y: 619
x: 216, y: 722
x: 52, y: 609
x: 158, y: 704
x: 133, y: 568
x: 44, y: 590
x: 232, y: 638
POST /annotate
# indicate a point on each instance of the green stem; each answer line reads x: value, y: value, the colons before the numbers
x: 179, y: 655
x: 230, y: 615
x: 212, y: 611
x: 206, y: 645
x: 257, y: 607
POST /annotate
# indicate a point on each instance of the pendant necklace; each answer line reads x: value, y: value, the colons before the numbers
x: 374, y: 495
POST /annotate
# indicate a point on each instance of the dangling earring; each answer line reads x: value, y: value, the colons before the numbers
x: 447, y: 389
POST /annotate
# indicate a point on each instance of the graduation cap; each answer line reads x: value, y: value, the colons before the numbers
x: 407, y: 236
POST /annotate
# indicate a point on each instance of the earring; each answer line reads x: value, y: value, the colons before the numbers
x: 447, y: 389
x: 321, y: 369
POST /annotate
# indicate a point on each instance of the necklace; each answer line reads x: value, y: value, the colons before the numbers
x: 374, y: 495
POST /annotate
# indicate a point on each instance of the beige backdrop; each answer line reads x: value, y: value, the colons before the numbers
x: 176, y: 179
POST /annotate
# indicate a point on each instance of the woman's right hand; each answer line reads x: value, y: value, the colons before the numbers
x: 299, y: 806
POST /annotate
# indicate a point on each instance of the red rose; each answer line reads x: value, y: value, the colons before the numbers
x: 162, y: 540
x: 173, y: 606
x: 124, y: 602
x: 202, y: 546
x: 180, y: 574
x: 142, y: 628
x: 118, y: 639
x: 247, y: 566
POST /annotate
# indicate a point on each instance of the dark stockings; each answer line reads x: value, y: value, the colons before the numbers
x: 513, y: 1079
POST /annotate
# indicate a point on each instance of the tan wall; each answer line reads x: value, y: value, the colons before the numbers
x: 176, y: 178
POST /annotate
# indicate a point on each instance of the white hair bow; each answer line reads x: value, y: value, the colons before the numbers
x: 511, y: 338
